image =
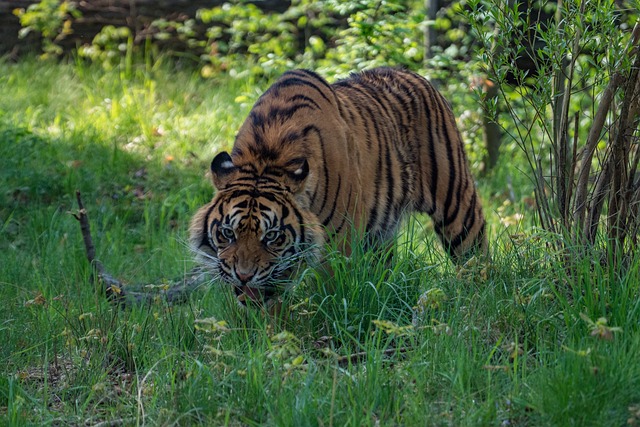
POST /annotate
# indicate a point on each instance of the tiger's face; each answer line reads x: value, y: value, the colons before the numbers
x: 256, y: 245
x: 253, y: 234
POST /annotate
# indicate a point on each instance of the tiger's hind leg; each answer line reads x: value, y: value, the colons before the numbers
x: 463, y: 235
x: 458, y: 220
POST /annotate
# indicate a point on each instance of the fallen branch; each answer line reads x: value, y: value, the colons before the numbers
x: 359, y: 357
x: 354, y: 358
x: 173, y: 292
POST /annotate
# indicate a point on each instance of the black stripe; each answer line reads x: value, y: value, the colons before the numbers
x: 433, y: 185
x: 390, y: 184
x: 205, y: 232
x: 381, y: 136
x: 244, y: 204
x: 305, y: 133
x: 452, y: 177
x: 248, y: 169
x: 257, y: 143
x: 408, y: 181
x: 325, y: 170
x: 305, y: 98
x: 421, y: 146
x: 298, y: 215
x: 286, y: 82
x: 456, y: 211
x: 407, y: 97
x: 322, y: 81
x: 470, y: 217
x: 437, y: 227
x: 290, y: 138
x: 257, y: 119
x: 468, y: 223
x: 254, y: 191
x: 224, y: 264
x: 325, y: 173
x: 460, y: 192
x: 461, y: 170
x: 282, y: 114
x: 327, y: 220
x: 310, y: 74
x: 344, y: 216
x: 373, y: 213
x: 457, y: 241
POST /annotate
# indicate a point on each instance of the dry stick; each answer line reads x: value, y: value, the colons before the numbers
x: 358, y: 357
x: 115, y: 289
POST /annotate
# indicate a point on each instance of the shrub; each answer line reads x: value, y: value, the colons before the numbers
x: 575, y: 117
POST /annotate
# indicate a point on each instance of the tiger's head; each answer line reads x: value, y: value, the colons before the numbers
x: 255, y: 232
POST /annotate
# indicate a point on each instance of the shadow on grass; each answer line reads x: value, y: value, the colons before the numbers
x: 40, y: 171
x: 139, y: 211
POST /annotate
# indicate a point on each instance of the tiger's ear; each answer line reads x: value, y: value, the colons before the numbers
x: 297, y: 172
x: 223, y: 170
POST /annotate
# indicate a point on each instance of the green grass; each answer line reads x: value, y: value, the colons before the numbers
x: 505, y: 344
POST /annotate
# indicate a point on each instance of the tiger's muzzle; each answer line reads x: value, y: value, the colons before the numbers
x: 254, y: 295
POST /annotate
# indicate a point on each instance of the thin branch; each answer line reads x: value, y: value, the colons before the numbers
x: 590, y: 147
x: 360, y: 356
x: 113, y: 286
x: 599, y: 193
x: 177, y: 291
x: 574, y: 159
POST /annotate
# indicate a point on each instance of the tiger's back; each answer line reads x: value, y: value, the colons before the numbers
x: 420, y: 164
x: 359, y: 154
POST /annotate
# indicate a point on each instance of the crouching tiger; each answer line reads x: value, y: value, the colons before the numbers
x: 314, y: 160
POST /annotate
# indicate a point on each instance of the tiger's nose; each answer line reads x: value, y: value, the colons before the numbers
x: 244, y: 277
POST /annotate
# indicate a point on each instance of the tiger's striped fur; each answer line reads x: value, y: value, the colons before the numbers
x: 315, y: 160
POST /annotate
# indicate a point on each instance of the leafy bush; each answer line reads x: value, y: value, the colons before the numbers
x: 334, y: 36
x: 109, y: 46
x: 574, y: 116
x: 51, y: 18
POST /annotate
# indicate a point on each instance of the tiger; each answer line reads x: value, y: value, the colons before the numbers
x: 315, y: 161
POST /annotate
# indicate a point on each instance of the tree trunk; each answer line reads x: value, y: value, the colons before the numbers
x: 431, y: 7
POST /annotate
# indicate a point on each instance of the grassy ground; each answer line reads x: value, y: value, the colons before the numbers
x: 515, y: 343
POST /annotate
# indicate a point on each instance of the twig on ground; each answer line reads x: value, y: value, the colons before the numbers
x: 360, y: 356
x: 175, y: 292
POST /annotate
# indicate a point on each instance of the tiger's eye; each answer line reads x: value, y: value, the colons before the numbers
x: 227, y: 233
x: 271, y: 236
